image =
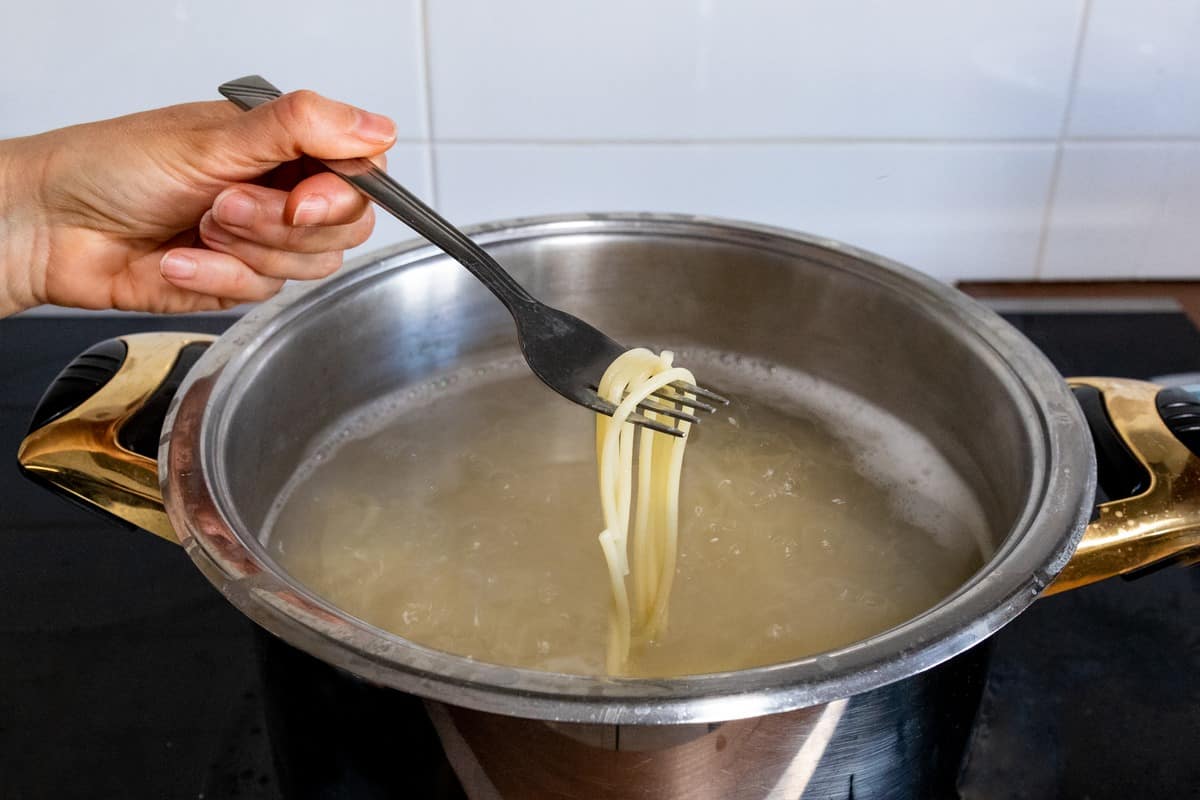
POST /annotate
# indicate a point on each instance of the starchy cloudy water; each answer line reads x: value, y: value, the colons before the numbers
x: 463, y: 514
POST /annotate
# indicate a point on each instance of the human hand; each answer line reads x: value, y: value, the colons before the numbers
x: 189, y: 208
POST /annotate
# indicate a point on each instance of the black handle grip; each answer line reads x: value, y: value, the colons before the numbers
x: 1180, y: 411
x: 92, y: 369
x: 87, y: 374
x: 1118, y: 472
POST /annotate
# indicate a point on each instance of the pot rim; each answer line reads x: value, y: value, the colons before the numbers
x: 1040, y: 543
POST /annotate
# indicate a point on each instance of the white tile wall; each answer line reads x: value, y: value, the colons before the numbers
x: 972, y: 140
x: 1140, y: 70
x: 682, y: 69
x: 1126, y: 210
x: 63, y: 62
x: 957, y: 211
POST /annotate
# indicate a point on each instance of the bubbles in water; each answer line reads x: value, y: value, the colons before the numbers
x: 411, y: 614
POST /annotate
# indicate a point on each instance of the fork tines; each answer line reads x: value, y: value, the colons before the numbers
x: 667, y: 411
x: 683, y: 386
x: 670, y: 401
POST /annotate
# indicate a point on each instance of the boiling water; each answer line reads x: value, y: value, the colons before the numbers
x: 463, y: 515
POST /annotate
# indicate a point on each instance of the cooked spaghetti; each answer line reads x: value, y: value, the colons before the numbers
x: 629, y: 380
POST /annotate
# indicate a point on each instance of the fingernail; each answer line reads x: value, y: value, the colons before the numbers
x: 313, y: 210
x: 375, y: 128
x: 236, y: 208
x: 213, y: 232
x: 178, y: 266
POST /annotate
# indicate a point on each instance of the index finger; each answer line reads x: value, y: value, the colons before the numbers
x: 305, y: 123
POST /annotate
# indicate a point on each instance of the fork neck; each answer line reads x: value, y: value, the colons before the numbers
x: 494, y: 277
x: 427, y: 222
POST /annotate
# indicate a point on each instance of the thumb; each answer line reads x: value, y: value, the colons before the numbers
x: 305, y: 123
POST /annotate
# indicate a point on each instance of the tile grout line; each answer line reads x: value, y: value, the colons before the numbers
x: 1056, y: 167
x: 753, y: 141
x: 427, y: 83
x: 852, y: 141
x: 1148, y: 139
x: 951, y: 142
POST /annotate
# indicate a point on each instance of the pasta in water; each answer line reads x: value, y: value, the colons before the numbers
x: 629, y: 380
x: 460, y: 514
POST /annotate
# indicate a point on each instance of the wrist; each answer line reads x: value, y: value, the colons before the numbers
x: 23, y: 235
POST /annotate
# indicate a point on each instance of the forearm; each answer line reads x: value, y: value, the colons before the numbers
x: 23, y: 238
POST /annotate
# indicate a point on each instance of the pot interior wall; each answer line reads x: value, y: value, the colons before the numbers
x: 811, y: 309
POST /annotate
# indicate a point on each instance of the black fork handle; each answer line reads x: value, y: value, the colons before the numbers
x: 253, y: 90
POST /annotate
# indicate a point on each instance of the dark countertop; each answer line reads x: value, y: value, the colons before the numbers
x: 123, y: 673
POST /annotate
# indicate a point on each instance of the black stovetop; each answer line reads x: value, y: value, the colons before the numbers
x: 123, y: 674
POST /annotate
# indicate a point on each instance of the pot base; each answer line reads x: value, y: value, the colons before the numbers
x: 331, y: 730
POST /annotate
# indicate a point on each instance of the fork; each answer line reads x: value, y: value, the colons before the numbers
x: 566, y: 353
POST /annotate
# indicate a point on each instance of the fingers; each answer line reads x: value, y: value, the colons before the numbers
x: 258, y: 236
x: 321, y: 213
x: 270, y: 260
x: 217, y: 275
x: 325, y: 199
x: 304, y: 122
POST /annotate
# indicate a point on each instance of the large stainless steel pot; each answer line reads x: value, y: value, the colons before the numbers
x: 259, y: 396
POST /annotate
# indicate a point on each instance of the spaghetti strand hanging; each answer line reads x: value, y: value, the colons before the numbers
x: 629, y: 380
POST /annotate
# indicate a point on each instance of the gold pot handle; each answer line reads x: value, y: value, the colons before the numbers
x: 1158, y: 523
x: 94, y: 436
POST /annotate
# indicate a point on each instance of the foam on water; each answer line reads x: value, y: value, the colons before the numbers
x: 923, y: 486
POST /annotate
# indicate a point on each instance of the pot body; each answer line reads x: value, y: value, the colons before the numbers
x: 887, y: 723
x: 335, y: 735
x: 965, y: 382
